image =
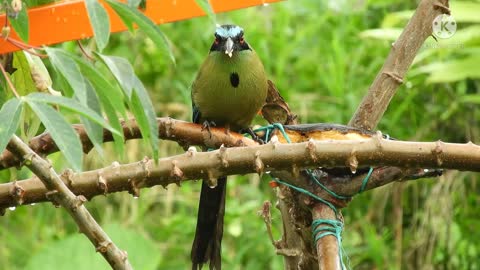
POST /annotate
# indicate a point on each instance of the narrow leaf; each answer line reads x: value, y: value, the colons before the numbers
x: 144, y: 112
x: 94, y: 130
x: 65, y: 64
x: 71, y: 105
x: 121, y: 70
x: 110, y: 98
x: 99, y: 21
x: 134, y: 3
x: 101, y: 84
x: 10, y: 115
x: 128, y: 15
x: 20, y: 24
x: 62, y: 133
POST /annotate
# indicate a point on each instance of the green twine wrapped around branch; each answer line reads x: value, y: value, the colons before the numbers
x: 333, y: 227
x: 320, y: 227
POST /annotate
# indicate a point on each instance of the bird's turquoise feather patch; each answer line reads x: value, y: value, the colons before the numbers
x: 228, y: 31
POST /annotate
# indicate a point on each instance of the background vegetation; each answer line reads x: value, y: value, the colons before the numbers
x: 322, y: 55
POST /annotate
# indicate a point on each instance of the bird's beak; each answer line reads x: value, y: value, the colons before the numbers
x: 229, y: 47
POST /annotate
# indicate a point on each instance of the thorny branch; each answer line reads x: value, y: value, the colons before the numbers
x: 60, y: 194
x: 256, y: 159
x: 184, y: 133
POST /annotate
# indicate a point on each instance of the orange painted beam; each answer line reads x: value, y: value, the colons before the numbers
x: 64, y: 21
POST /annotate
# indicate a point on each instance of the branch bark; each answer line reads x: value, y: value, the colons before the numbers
x: 184, y: 133
x: 59, y: 193
x: 401, y: 56
x: 274, y: 157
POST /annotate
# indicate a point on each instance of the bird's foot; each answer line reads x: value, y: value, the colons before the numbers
x: 207, y: 125
x: 255, y: 137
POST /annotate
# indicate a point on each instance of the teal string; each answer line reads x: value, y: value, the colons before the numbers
x: 365, y: 180
x: 335, y: 195
x: 268, y: 129
x: 306, y: 192
x: 335, y: 228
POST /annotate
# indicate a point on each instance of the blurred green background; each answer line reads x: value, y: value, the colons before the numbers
x: 322, y: 55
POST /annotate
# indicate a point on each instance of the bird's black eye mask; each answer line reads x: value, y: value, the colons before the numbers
x: 239, y: 43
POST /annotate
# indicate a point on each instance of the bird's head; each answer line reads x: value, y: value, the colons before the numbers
x: 229, y: 39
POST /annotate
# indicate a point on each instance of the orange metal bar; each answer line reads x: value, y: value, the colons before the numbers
x: 64, y: 21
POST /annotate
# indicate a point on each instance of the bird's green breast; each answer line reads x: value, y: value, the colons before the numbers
x: 230, y: 91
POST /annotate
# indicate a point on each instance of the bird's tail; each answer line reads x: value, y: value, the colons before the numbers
x: 208, y: 235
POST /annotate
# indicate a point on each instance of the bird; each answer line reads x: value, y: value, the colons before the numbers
x: 229, y: 90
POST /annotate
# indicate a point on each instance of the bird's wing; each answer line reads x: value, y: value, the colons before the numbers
x: 195, y: 114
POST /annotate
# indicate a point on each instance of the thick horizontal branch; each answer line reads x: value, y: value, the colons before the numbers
x: 374, y: 151
x: 185, y: 133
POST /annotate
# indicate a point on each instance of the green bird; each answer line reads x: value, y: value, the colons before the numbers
x: 229, y: 90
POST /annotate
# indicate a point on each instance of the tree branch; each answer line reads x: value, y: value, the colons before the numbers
x: 401, y: 56
x: 59, y: 193
x: 272, y: 157
x: 184, y: 133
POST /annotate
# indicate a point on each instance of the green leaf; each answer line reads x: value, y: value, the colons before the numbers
x: 110, y: 97
x: 66, y: 65
x: 144, y: 112
x: 121, y: 70
x: 134, y: 3
x: 140, y: 102
x: 71, y: 105
x: 10, y: 115
x: 62, y: 133
x: 94, y: 130
x: 100, y: 22
x: 20, y: 24
x: 22, y: 78
x: 101, y: 84
x: 129, y: 15
x: 207, y: 8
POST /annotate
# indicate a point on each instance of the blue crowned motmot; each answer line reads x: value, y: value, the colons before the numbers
x: 229, y: 90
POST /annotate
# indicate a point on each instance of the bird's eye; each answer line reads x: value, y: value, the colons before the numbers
x: 217, y: 40
x: 242, y: 40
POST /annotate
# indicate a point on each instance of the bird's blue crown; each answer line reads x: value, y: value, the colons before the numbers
x: 228, y: 30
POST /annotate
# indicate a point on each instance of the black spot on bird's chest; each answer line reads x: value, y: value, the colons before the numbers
x: 234, y: 79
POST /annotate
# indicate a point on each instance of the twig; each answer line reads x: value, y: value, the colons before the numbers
x: 241, y: 160
x: 267, y: 218
x: 89, y: 57
x: 10, y: 84
x: 60, y: 194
